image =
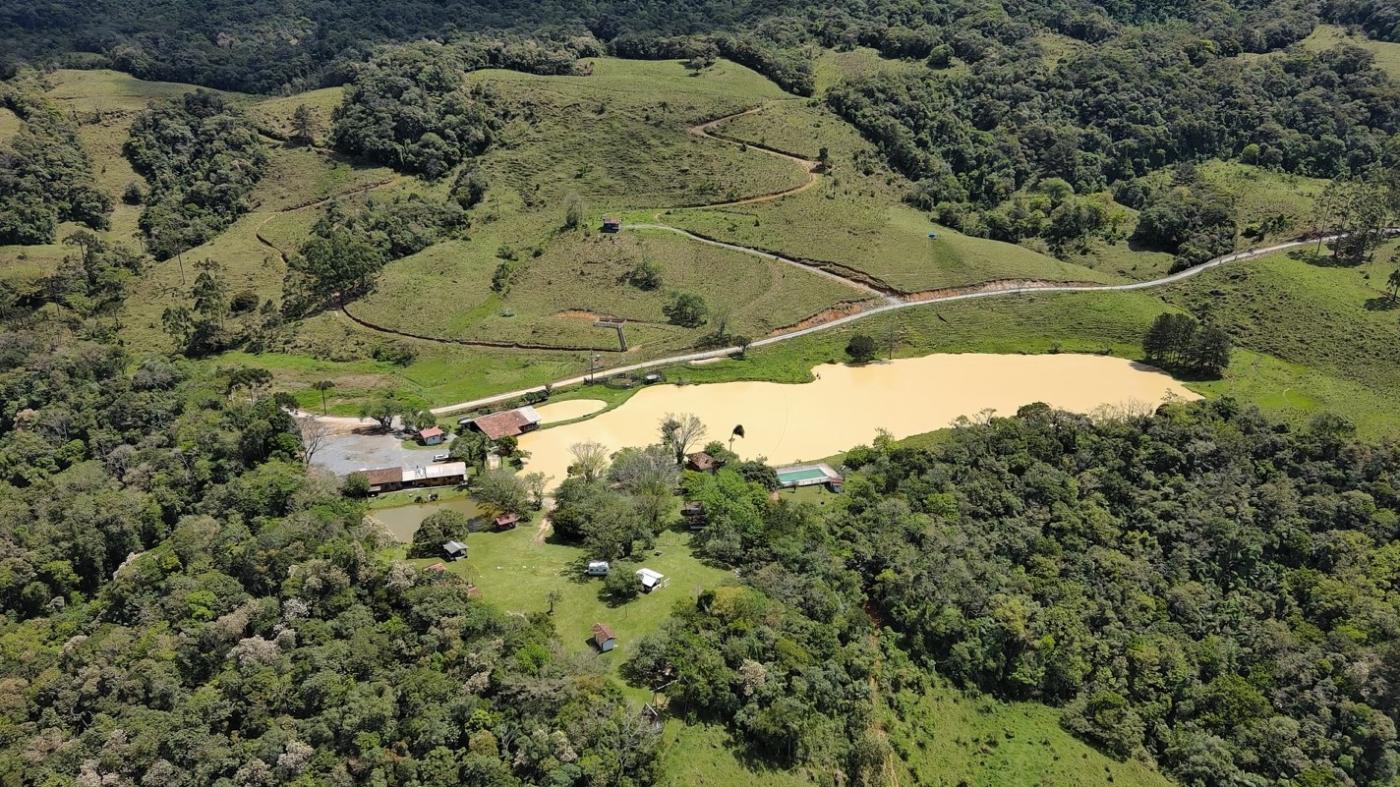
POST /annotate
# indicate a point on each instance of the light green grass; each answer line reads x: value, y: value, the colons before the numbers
x: 618, y: 137
x: 1327, y: 36
x: 1335, y: 339
x: 802, y: 128
x: 942, y: 738
x: 580, y: 277
x: 517, y: 573
x: 854, y: 216
x: 275, y: 114
x: 330, y: 348
x: 10, y: 124
x: 106, y: 91
x: 834, y: 66
x: 868, y: 231
x: 947, y: 738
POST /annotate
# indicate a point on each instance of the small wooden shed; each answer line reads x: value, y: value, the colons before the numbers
x: 603, y: 637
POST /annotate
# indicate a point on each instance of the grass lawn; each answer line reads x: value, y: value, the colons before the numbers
x: 517, y: 573
x: 441, y: 374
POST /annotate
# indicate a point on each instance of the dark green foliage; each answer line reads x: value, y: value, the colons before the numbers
x: 1380, y: 19
x: 1115, y: 111
x: 201, y: 157
x: 621, y: 584
x: 437, y: 529
x: 686, y: 309
x: 1192, y: 585
x: 610, y: 523
x: 158, y: 529
x: 646, y: 275
x: 212, y: 321
x: 45, y: 173
x: 348, y: 249
x: 469, y: 188
x: 1187, y: 218
x: 861, y: 348
x: 408, y: 108
x: 1178, y: 342
x: 93, y: 279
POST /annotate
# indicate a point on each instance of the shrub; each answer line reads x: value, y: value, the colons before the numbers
x: 861, y: 348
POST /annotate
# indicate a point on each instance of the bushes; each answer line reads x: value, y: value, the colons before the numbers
x: 861, y: 348
x: 201, y: 157
x: 686, y: 309
x: 408, y: 109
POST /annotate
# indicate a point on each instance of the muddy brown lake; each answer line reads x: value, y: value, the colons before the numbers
x: 845, y: 406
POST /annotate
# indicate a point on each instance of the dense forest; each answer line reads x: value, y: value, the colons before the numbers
x: 45, y: 173
x: 182, y: 602
x: 185, y: 605
x: 201, y: 158
x: 1203, y: 587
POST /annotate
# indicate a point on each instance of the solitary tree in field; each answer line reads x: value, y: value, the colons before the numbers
x: 686, y: 310
x: 303, y: 125
x: 1393, y: 282
x: 861, y: 348
x: 323, y: 386
x: 573, y: 211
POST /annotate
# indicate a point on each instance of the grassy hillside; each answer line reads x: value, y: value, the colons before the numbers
x: 1387, y: 53
x: 854, y: 216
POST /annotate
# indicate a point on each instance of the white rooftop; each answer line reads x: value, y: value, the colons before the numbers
x: 429, y: 472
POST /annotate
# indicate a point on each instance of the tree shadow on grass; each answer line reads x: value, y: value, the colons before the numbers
x: 1323, y: 259
x: 1382, y: 304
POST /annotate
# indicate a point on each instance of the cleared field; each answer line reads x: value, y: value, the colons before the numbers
x: 1341, y: 323
x: 802, y: 127
x: 854, y: 218
x: 619, y: 137
x: 275, y: 114
x: 10, y: 125
x: 833, y: 66
x: 1327, y: 36
x: 517, y: 571
x: 945, y: 737
x: 581, y: 277
x: 866, y: 231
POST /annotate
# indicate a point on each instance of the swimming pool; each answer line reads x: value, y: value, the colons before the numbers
x: 797, y: 474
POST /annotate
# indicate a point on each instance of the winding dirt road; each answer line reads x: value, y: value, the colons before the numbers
x: 881, y: 302
x: 971, y: 294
